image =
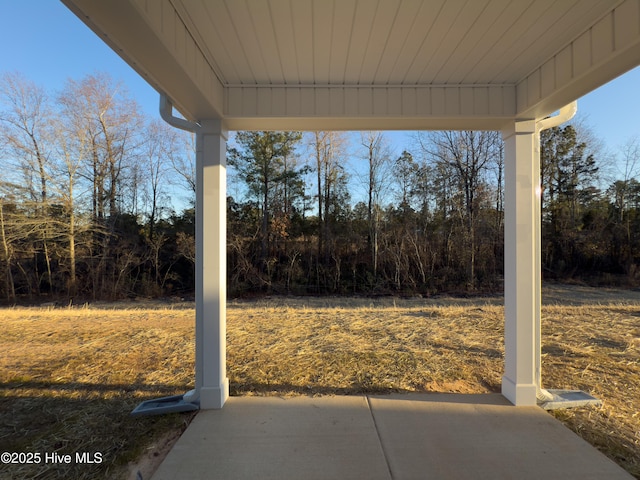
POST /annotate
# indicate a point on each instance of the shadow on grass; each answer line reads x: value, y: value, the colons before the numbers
x: 85, y: 421
x: 249, y: 387
x: 456, y: 398
x: 469, y: 349
x: 89, y: 387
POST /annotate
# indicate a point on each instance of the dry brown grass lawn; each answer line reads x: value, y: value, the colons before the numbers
x: 70, y: 377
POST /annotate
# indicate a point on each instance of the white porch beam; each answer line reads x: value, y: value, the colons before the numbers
x: 521, y: 270
x: 212, y: 384
x: 353, y: 107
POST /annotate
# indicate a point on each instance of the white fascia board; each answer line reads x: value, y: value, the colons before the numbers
x: 608, y: 49
x: 152, y: 39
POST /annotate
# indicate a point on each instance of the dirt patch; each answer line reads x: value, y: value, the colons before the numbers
x: 145, y: 466
x: 456, y: 386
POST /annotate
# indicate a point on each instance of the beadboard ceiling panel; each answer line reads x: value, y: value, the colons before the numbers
x: 383, y: 42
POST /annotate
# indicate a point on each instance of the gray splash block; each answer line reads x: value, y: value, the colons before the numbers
x: 161, y: 406
x: 569, y: 399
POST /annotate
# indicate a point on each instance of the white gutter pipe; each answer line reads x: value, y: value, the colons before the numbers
x: 166, y: 112
x: 565, y: 114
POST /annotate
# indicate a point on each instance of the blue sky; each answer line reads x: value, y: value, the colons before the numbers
x: 43, y: 40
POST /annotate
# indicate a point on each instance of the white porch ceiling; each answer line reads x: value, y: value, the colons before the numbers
x: 390, y: 42
x: 358, y: 64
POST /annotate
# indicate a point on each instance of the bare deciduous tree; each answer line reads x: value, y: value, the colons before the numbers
x: 464, y: 155
x: 329, y: 150
x: 100, y: 111
x: 378, y: 158
x: 27, y: 131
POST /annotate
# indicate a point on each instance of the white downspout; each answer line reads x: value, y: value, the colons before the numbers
x: 565, y: 114
x: 211, y: 384
x: 166, y: 112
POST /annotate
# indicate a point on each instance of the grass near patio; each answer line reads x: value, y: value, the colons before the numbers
x: 69, y: 377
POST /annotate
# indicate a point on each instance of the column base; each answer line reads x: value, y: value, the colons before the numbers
x: 518, y: 394
x: 214, y: 397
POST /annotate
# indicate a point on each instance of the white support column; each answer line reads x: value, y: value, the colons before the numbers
x: 521, y: 269
x: 212, y: 384
x: 537, y: 236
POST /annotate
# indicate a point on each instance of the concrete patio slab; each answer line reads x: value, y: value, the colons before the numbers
x: 408, y: 436
x: 444, y: 436
x: 274, y: 438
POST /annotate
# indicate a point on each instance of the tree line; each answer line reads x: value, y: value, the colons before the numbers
x: 84, y: 193
x: 96, y: 201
